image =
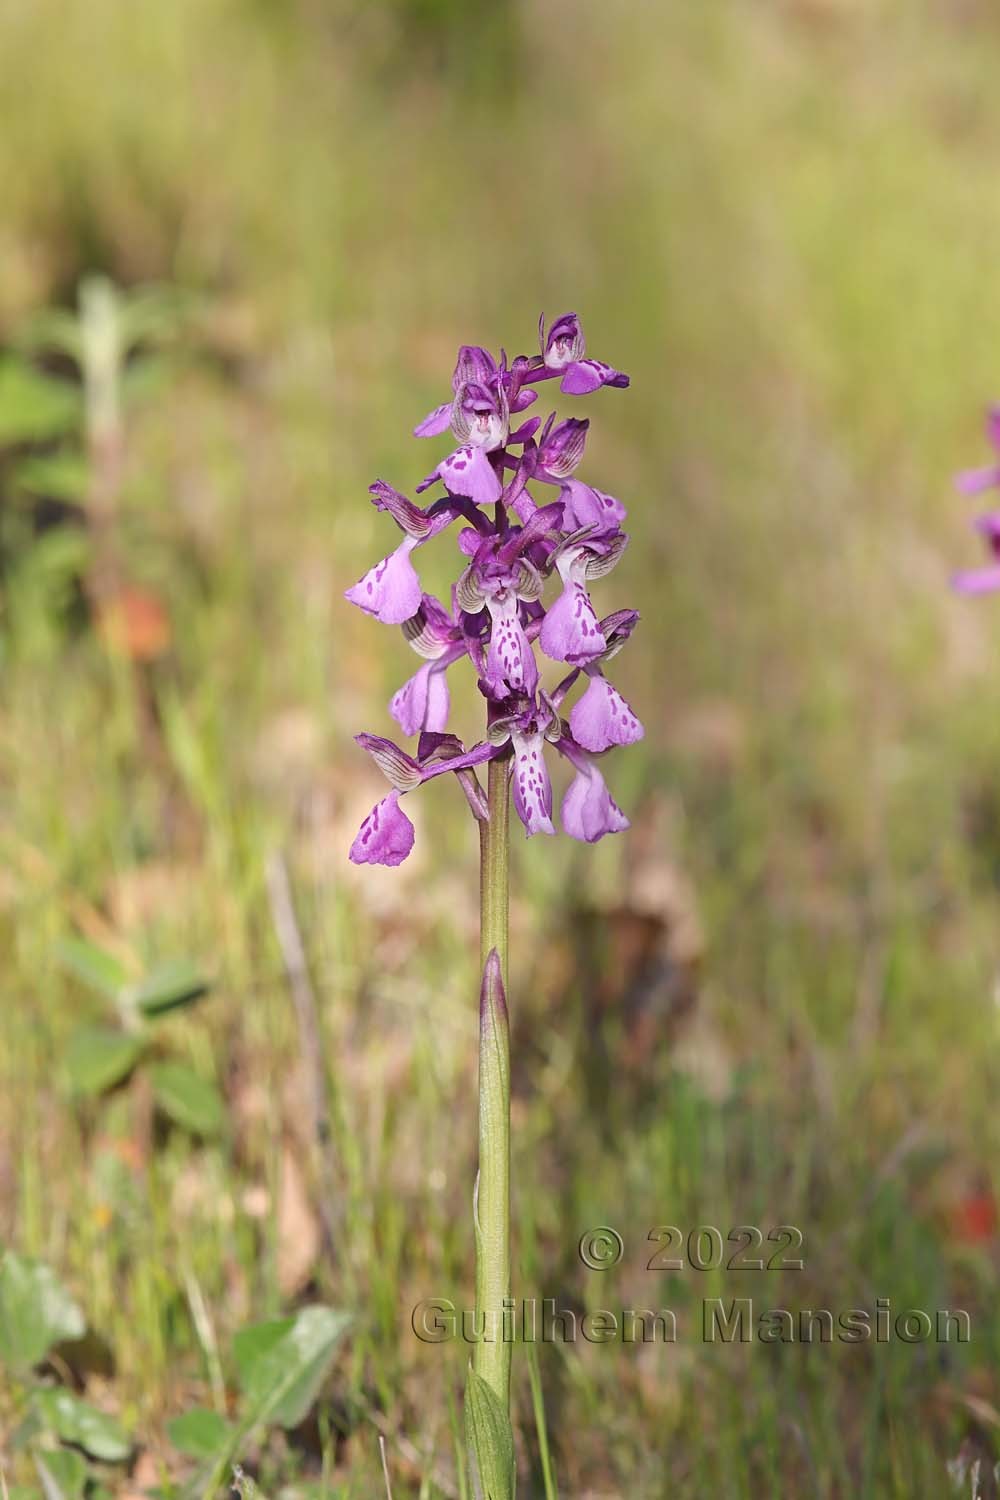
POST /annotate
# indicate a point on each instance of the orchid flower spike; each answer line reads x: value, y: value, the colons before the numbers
x: 514, y: 547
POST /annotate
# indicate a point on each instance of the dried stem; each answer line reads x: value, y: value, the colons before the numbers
x: 293, y: 953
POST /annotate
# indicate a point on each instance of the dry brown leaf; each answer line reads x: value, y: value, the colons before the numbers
x: 146, y: 1476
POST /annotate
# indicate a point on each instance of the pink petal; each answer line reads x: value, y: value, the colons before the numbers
x: 438, y: 701
x: 422, y: 702
x: 469, y: 472
x: 586, y: 375
x: 602, y: 718
x: 391, y: 590
x: 588, y: 809
x: 435, y: 422
x: 386, y: 836
x: 585, y: 506
x: 974, y: 481
x: 977, y: 581
x: 570, y: 630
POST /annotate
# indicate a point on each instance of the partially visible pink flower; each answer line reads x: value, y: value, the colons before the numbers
x: 974, y: 481
x: 983, y: 580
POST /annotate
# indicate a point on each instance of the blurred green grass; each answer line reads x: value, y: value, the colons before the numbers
x: 782, y: 220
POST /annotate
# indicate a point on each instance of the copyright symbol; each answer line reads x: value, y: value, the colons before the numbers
x: 602, y: 1248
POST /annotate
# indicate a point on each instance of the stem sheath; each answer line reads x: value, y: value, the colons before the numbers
x: 492, y: 1352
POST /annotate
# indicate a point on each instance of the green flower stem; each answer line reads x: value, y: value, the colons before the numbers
x: 492, y: 1353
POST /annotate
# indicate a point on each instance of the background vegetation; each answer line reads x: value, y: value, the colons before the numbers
x: 774, y: 1001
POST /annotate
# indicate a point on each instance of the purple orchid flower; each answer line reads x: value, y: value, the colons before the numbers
x: 570, y: 630
x: 423, y: 702
x: 511, y: 555
x: 601, y: 718
x: 588, y: 810
x: 387, y: 835
x: 476, y: 366
x: 563, y: 350
x: 391, y: 589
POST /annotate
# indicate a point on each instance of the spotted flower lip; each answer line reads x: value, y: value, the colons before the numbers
x: 515, y: 548
x: 466, y: 472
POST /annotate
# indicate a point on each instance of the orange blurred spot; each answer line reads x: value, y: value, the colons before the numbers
x: 976, y: 1217
x: 136, y: 624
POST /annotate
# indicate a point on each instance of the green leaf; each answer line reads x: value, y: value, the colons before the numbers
x: 62, y: 1472
x: 33, y: 406
x: 95, y: 966
x: 36, y: 1311
x: 57, y: 476
x: 199, y: 1433
x: 282, y: 1364
x: 74, y: 1421
x: 51, y: 328
x: 168, y: 987
x: 190, y: 1100
x: 491, y: 1440
x: 98, y: 1057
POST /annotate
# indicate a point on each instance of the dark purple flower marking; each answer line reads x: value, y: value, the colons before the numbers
x: 497, y: 614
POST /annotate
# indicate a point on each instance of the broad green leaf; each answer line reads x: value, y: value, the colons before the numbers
x: 62, y: 1473
x: 36, y: 1311
x: 281, y: 1365
x: 57, y: 476
x: 95, y: 966
x: 74, y: 1421
x: 491, y: 1440
x: 167, y: 987
x: 190, y: 1100
x: 33, y: 406
x: 199, y: 1433
x: 98, y: 1057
